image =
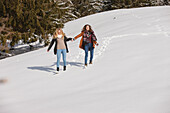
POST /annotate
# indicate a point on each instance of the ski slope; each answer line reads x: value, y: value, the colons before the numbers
x: 130, y: 71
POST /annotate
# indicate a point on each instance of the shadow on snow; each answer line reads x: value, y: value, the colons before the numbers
x: 51, y: 67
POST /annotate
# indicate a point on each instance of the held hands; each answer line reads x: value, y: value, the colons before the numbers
x: 97, y: 44
x: 72, y: 39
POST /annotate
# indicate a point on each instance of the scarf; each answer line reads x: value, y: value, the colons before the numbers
x: 87, y: 36
x: 60, y: 36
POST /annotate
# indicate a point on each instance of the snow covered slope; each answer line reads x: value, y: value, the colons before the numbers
x: 130, y: 74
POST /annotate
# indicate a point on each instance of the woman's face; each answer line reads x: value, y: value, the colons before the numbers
x: 59, y: 31
x: 87, y: 28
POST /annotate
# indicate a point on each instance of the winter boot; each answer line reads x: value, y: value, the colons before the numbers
x: 57, y: 68
x: 64, y: 68
x: 90, y: 62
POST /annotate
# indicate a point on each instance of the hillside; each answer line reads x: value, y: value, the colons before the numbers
x: 130, y: 73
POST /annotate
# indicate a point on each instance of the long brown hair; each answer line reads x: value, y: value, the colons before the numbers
x: 84, y: 28
x: 55, y: 34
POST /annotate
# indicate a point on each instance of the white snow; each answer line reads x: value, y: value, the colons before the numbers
x: 130, y: 71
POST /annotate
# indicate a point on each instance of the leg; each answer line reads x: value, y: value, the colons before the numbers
x: 86, y: 48
x: 64, y: 56
x: 91, y: 52
x: 58, y: 57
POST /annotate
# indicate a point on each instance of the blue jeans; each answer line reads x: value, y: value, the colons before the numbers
x: 59, y: 51
x: 88, y: 47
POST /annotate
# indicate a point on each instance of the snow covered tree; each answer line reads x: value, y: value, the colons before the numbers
x: 32, y: 20
x: 65, y: 11
x: 87, y: 7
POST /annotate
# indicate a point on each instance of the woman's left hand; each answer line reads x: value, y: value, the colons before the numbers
x: 72, y: 39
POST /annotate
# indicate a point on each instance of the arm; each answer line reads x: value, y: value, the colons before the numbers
x: 94, y: 39
x: 67, y: 39
x: 51, y: 44
x: 95, y: 42
x: 79, y: 35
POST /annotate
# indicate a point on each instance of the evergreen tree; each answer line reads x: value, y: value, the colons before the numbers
x: 32, y: 20
x: 87, y: 7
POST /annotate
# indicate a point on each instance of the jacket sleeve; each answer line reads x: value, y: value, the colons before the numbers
x: 95, y: 42
x: 67, y: 39
x: 79, y: 35
x: 94, y: 37
x: 51, y: 44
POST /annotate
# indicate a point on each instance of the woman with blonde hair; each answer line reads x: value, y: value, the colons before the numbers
x: 61, y: 47
x: 87, y: 42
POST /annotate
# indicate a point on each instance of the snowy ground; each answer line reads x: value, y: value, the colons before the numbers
x: 130, y: 73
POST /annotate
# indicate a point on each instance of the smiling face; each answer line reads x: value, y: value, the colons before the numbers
x: 87, y: 28
x: 59, y: 31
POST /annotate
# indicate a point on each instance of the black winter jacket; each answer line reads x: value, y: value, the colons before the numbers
x: 55, y: 40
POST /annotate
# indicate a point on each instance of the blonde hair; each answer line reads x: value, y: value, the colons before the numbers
x: 55, y: 34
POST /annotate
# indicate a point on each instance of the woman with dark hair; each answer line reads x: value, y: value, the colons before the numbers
x: 87, y: 42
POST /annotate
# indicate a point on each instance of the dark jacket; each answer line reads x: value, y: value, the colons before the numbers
x: 55, y: 40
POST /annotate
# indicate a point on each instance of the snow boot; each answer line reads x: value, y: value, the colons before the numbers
x: 90, y: 62
x: 85, y: 66
x: 64, y: 68
x: 57, y: 68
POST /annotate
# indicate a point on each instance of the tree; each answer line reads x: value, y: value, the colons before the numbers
x: 32, y: 20
x: 87, y: 7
